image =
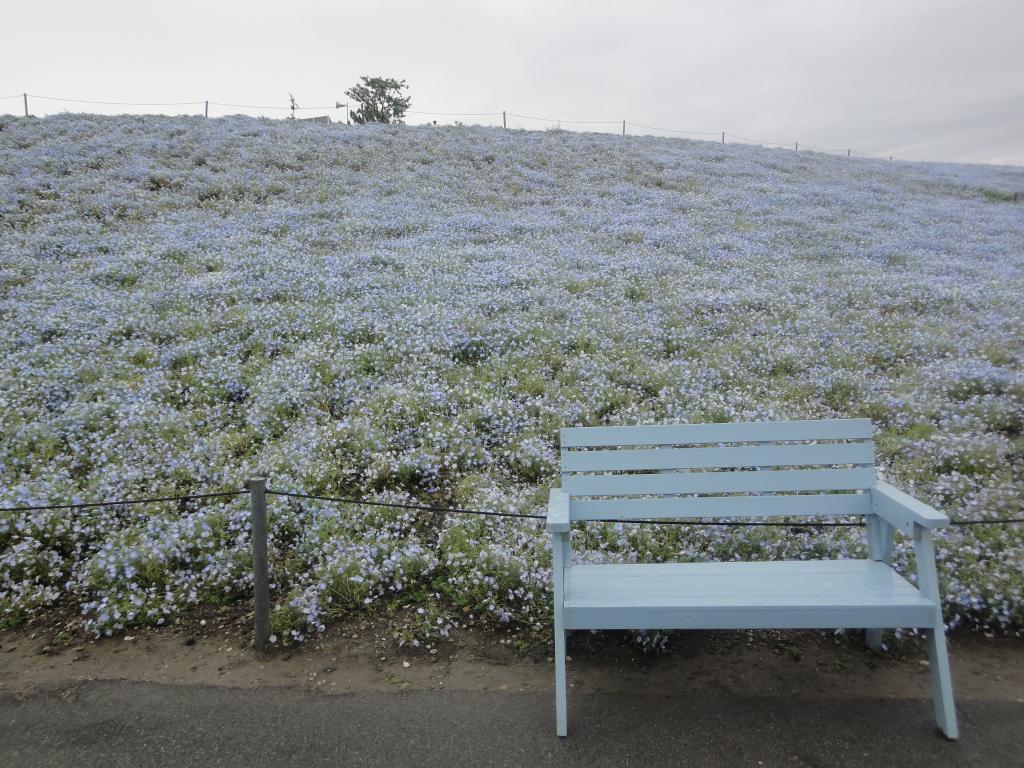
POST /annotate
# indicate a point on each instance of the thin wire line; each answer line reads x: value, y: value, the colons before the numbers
x: 987, y: 522
x: 673, y: 130
x: 266, y: 106
x: 869, y: 155
x: 454, y: 114
x: 461, y: 511
x: 248, y: 106
x: 819, y: 149
x: 123, y: 502
x: 120, y: 103
x: 531, y: 517
x: 397, y: 505
x: 572, y: 122
x: 429, y: 508
x: 450, y: 114
x: 758, y: 141
x: 738, y: 523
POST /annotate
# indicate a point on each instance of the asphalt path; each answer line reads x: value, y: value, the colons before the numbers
x: 112, y: 724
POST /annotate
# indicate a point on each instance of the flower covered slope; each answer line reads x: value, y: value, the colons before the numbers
x: 412, y: 313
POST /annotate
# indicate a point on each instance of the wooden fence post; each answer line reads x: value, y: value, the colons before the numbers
x: 504, y: 122
x: 623, y: 127
x: 723, y: 137
x: 25, y: 97
x: 261, y: 579
x: 206, y: 109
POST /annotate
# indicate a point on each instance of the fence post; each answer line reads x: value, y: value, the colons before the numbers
x: 25, y: 97
x: 623, y: 127
x: 723, y: 137
x: 796, y: 146
x: 261, y: 580
x: 504, y: 122
x: 847, y: 153
x: 206, y: 109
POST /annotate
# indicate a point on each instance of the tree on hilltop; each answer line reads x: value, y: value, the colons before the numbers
x: 380, y: 100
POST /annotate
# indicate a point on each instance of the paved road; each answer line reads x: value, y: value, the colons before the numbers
x: 114, y: 724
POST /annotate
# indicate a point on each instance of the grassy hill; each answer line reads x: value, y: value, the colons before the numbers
x: 412, y: 313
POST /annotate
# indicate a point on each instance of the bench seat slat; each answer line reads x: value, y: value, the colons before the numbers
x: 707, y: 458
x: 788, y: 617
x: 737, y: 432
x: 720, y: 482
x: 799, y: 594
x: 818, y: 504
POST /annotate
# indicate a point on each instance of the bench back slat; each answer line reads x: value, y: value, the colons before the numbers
x: 710, y: 470
x: 804, y: 505
x: 737, y: 432
x: 719, y: 458
x: 859, y: 478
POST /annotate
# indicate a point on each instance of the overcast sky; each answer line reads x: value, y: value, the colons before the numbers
x: 919, y: 79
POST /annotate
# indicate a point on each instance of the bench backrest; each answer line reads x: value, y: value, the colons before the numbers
x: 712, y: 470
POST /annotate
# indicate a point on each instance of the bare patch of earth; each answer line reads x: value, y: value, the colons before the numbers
x: 361, y: 655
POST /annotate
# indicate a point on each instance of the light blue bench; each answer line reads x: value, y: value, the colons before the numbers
x: 756, y: 469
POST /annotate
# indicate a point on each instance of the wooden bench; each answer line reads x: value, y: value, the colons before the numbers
x: 756, y: 469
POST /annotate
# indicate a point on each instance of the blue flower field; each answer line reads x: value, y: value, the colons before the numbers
x: 411, y: 313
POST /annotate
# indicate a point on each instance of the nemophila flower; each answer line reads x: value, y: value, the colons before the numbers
x: 410, y: 314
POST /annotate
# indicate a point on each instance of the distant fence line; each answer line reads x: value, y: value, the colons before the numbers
x: 205, y: 105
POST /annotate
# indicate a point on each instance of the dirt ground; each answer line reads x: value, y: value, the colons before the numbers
x: 360, y: 656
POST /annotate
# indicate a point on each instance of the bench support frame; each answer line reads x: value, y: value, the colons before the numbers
x: 880, y: 542
x: 560, y: 557
x: 938, y: 657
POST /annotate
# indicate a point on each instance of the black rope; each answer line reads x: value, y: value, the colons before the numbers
x: 123, y: 502
x: 987, y: 522
x: 427, y: 508
x: 732, y: 523
x: 397, y: 505
x: 456, y: 510
x: 461, y: 511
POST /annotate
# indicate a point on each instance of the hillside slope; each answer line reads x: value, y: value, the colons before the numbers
x: 413, y: 313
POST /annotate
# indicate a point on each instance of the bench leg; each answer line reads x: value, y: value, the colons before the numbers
x: 873, y: 638
x: 561, y: 720
x: 942, y: 683
x: 880, y: 541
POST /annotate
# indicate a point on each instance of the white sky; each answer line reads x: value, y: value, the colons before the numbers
x: 918, y: 79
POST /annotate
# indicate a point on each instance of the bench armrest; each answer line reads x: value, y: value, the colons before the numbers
x: 903, y: 511
x: 558, y: 511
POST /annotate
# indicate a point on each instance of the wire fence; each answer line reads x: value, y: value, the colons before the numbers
x: 123, y: 502
x: 457, y: 510
x: 202, y: 106
x: 258, y: 492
